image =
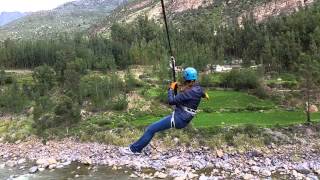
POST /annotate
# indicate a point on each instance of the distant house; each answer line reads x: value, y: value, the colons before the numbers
x: 222, y: 68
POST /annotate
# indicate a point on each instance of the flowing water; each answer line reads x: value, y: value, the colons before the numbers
x: 73, y: 171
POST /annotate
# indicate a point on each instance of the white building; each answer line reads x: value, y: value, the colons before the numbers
x: 223, y: 68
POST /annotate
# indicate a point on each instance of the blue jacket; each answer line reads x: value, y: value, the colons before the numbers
x: 190, y: 98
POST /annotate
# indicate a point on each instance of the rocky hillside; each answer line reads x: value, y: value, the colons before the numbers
x: 216, y: 11
x: 71, y: 17
x: 7, y: 17
x: 275, y: 8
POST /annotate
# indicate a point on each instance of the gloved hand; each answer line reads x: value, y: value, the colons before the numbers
x: 206, y: 96
x: 173, y: 85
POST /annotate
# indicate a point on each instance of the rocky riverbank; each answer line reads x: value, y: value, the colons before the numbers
x: 298, y: 161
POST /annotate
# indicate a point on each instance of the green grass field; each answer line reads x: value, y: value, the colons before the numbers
x: 233, y: 99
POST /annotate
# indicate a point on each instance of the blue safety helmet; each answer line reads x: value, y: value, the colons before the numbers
x: 190, y: 74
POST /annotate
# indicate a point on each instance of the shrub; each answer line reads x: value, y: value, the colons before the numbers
x: 66, y: 112
x: 49, y: 114
x: 260, y: 92
x: 44, y: 78
x: 12, y: 99
x: 4, y: 78
x: 121, y: 103
x: 244, y: 79
x: 205, y: 81
x: 132, y: 82
x: 100, y: 90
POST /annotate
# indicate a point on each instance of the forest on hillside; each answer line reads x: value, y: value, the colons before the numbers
x: 280, y: 44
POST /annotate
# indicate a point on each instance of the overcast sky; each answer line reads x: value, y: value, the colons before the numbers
x: 29, y: 5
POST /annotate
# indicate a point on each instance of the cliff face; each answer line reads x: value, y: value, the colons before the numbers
x: 275, y: 8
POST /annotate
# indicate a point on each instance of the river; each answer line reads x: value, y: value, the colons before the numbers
x: 73, y: 171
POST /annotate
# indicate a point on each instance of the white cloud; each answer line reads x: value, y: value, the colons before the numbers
x: 29, y: 5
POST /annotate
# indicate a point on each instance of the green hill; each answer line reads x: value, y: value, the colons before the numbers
x: 71, y: 17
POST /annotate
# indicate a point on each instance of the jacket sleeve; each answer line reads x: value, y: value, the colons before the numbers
x: 178, y: 99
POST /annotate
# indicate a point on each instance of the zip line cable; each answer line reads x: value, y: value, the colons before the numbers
x: 173, y: 61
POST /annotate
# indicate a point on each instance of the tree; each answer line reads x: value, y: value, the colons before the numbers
x: 309, y: 68
x: 44, y: 78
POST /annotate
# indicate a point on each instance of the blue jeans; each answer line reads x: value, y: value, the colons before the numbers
x: 161, y: 125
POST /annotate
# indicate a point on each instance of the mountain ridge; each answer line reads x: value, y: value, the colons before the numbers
x: 7, y: 17
x: 75, y: 16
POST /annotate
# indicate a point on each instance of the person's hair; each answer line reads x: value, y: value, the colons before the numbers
x: 187, y: 84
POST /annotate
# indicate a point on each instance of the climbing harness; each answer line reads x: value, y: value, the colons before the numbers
x: 172, y: 59
x: 173, y: 124
x: 189, y: 110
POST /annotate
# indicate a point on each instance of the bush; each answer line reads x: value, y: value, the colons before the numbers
x: 244, y: 79
x: 260, y: 92
x: 49, y: 114
x: 100, y: 90
x: 121, y: 103
x: 12, y: 99
x: 132, y: 82
x: 66, y: 112
x: 205, y: 81
x: 4, y: 78
x: 44, y: 78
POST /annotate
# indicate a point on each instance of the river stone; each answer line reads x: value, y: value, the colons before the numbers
x: 177, y: 173
x: 67, y: 163
x: 33, y: 169
x: 317, y: 171
x: 2, y: 166
x: 312, y: 177
x: 303, y: 168
x: 46, y: 162
x: 172, y: 162
x: 133, y: 176
x: 41, y: 169
x: 266, y: 173
x: 180, y: 178
x: 255, y: 169
x: 21, y: 161
x: 297, y: 175
x: 267, y: 162
x: 191, y: 175
x: 247, y: 176
x: 203, y: 177
x: 219, y: 153
x: 52, y: 166
x: 87, y: 161
x: 160, y: 175
x: 11, y: 163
